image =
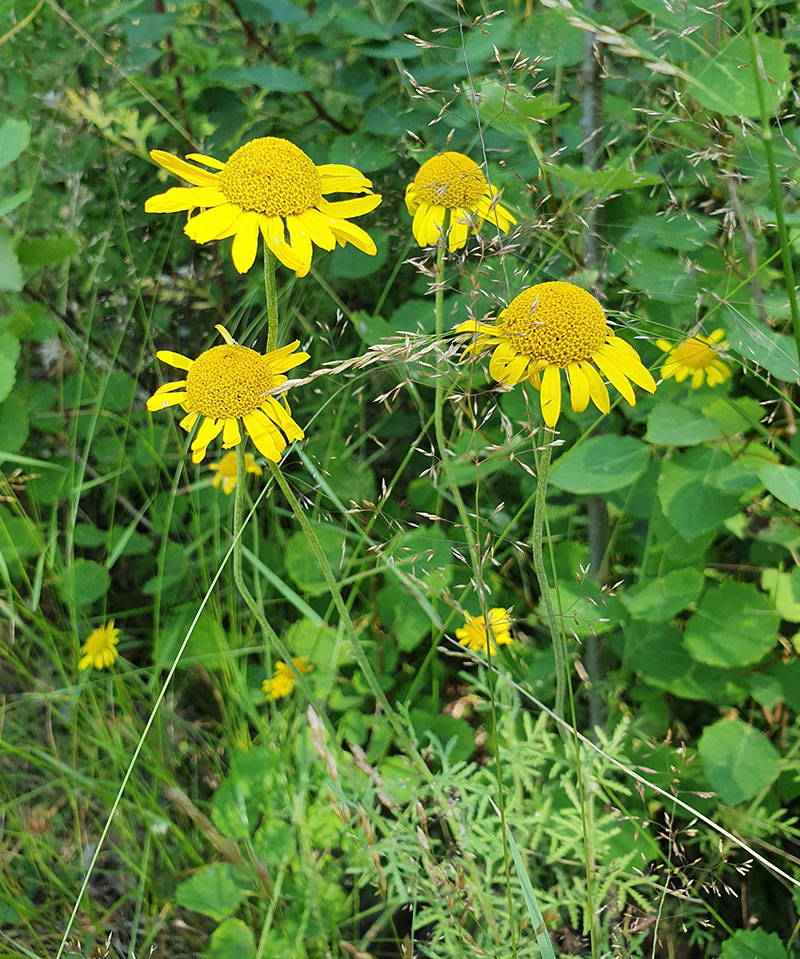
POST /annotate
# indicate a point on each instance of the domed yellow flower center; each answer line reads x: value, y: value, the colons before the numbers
x: 272, y: 176
x: 228, y: 382
x: 451, y: 180
x: 694, y: 353
x: 555, y: 322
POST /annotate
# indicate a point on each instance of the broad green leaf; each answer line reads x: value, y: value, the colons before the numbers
x: 272, y: 11
x: 784, y: 591
x: 371, y: 329
x: 600, y: 464
x: 10, y: 273
x: 148, y: 29
x: 762, y: 346
x: 10, y: 203
x: 725, y: 81
x: 783, y: 482
x: 15, y: 135
x: 671, y: 425
x: 45, y: 251
x: 274, y: 843
x: 454, y: 734
x: 657, y: 653
x: 348, y: 263
x: 402, y: 616
x: 734, y: 625
x: 9, y: 354
x: 658, y: 600
x: 264, y: 75
x: 214, y: 890
x: 611, y: 179
x: 689, y: 498
x: 753, y: 944
x: 83, y: 582
x: 232, y: 939
x: 302, y: 565
x: 426, y: 554
x: 321, y: 645
x: 14, y: 425
x: 738, y: 760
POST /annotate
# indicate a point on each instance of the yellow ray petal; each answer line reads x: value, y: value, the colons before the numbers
x: 346, y: 232
x: 614, y: 375
x: 188, y: 421
x: 279, y: 415
x: 412, y: 199
x: 177, y: 360
x: 162, y: 401
x: 204, y: 158
x: 347, y: 208
x: 597, y: 389
x: 628, y: 362
x: 459, y: 229
x: 245, y: 242
x: 318, y: 227
x: 550, y: 394
x: 231, y: 435
x: 186, y: 171
x: 578, y: 387
x: 264, y: 439
x: 209, y: 430
x: 274, y: 236
x: 300, y: 242
x: 181, y: 198
x: 697, y: 378
x: 211, y: 224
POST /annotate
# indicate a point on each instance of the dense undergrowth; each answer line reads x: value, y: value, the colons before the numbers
x: 622, y: 777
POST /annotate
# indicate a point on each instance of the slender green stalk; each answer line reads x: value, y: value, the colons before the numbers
x: 255, y: 608
x: 774, y: 185
x: 333, y: 587
x: 271, y: 293
x: 541, y: 578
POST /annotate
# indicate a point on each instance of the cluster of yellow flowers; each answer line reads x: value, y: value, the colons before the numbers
x: 270, y: 188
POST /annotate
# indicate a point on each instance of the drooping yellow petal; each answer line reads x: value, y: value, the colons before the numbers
x: 550, y: 394
x: 578, y: 387
x: 163, y: 400
x: 245, y: 242
x: 204, y: 158
x: 188, y: 421
x: 358, y: 206
x: 697, y: 378
x: 265, y: 439
x: 459, y: 229
x: 212, y: 224
x: 231, y: 435
x: 597, y: 389
x: 615, y: 376
x: 177, y: 360
x: 627, y: 359
x: 412, y: 199
x: 186, y: 171
x: 209, y: 430
x: 279, y: 415
x: 346, y: 232
x: 180, y: 198
x: 318, y: 227
x: 274, y: 236
x: 301, y: 243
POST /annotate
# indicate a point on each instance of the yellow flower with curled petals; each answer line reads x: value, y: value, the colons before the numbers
x: 486, y: 635
x: 696, y: 356
x: 450, y: 196
x: 283, y: 680
x: 227, y: 471
x: 226, y: 389
x: 268, y: 186
x: 555, y: 327
x: 100, y: 648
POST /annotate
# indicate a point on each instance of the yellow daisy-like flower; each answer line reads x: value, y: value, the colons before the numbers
x: 698, y: 357
x: 227, y: 471
x: 226, y: 387
x: 450, y: 196
x: 557, y: 326
x: 283, y: 679
x: 474, y: 632
x: 100, y: 649
x: 265, y: 185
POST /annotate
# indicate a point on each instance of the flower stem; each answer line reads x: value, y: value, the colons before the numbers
x: 544, y: 586
x: 333, y: 587
x: 271, y: 293
x: 255, y: 608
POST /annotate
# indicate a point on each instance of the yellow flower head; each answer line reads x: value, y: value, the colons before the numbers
x: 226, y: 471
x: 100, y: 649
x: 450, y: 196
x: 226, y: 387
x: 698, y: 357
x: 283, y: 679
x: 266, y: 185
x: 483, y: 636
x: 556, y: 326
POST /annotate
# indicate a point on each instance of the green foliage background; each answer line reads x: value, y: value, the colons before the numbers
x: 672, y: 534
